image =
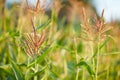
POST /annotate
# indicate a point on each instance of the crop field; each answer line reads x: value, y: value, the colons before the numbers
x: 64, y: 42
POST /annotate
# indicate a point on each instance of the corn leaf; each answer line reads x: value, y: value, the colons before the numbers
x: 7, y: 70
x: 87, y: 66
x: 17, y: 72
x: 37, y: 73
x: 101, y: 46
x: 40, y: 58
x: 44, y: 24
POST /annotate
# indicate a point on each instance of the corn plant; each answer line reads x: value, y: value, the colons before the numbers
x: 67, y: 44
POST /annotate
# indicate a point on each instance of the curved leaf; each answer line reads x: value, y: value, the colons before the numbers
x: 101, y: 46
x: 44, y: 24
x: 40, y: 58
x: 87, y: 66
x: 7, y: 70
x: 17, y: 72
x: 38, y: 72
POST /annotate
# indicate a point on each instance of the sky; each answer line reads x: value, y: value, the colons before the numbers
x: 111, y: 8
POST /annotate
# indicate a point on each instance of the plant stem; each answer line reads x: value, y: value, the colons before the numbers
x: 83, y: 78
x: 27, y: 71
x: 107, y: 77
x: 77, y: 74
x: 98, y: 54
x: 3, y: 14
x: 92, y: 52
x: 65, y: 67
x: 36, y: 69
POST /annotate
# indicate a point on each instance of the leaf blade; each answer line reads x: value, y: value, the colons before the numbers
x: 17, y: 72
x: 87, y: 66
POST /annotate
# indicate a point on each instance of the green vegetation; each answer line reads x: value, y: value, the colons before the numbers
x: 36, y: 47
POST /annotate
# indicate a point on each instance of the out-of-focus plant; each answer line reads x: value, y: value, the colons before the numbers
x: 34, y: 41
x: 95, y: 33
x: 82, y: 48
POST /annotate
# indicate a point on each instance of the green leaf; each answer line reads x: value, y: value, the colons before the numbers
x: 12, y: 52
x: 17, y: 72
x: 40, y: 58
x: 4, y: 37
x: 7, y: 70
x: 101, y: 46
x: 38, y: 72
x: 80, y: 48
x: 54, y: 16
x: 87, y: 66
x: 77, y: 26
x: 54, y: 75
x: 44, y: 24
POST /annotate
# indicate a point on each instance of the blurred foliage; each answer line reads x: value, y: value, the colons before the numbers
x: 58, y: 59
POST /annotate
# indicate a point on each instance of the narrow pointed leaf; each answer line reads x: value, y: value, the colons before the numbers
x: 44, y: 24
x: 17, y: 72
x: 87, y: 66
x: 37, y: 73
x: 40, y: 58
x: 7, y: 70
x: 101, y: 46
